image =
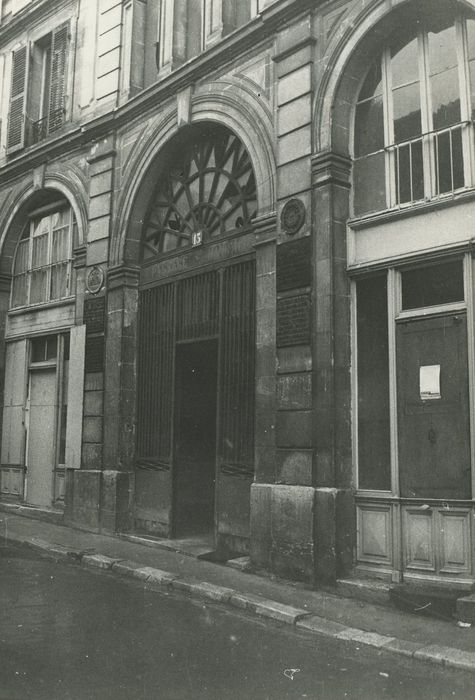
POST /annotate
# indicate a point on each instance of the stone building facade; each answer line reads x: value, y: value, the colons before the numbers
x: 236, y: 276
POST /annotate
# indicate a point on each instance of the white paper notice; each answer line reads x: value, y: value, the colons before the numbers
x: 429, y: 382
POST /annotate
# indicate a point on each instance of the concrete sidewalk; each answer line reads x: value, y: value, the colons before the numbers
x: 318, y: 612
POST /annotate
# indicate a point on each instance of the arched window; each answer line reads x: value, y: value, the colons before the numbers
x: 413, y: 137
x: 42, y: 266
x: 208, y: 190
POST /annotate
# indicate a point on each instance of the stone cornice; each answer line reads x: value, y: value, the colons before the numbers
x: 330, y: 168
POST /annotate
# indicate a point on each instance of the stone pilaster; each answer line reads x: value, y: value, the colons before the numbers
x: 334, y: 523
x: 119, y: 397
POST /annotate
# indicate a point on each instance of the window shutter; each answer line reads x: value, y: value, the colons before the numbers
x: 16, y: 117
x: 58, y: 81
x: 75, y: 397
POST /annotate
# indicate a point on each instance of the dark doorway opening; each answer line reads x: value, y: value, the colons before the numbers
x: 195, y: 437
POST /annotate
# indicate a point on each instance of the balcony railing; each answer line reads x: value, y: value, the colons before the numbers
x: 433, y: 165
x: 38, y: 130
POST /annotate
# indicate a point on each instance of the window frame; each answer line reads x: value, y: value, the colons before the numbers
x: 34, y: 217
x: 429, y: 135
x: 22, y: 130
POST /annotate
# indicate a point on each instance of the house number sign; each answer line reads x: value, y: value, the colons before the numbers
x: 197, y: 238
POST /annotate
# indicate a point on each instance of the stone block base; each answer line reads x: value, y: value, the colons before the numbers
x: 98, y: 501
x: 301, y: 532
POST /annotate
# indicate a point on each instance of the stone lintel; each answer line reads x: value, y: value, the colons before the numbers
x: 329, y: 168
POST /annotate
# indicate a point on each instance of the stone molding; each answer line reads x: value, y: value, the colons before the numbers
x: 79, y: 257
x: 309, y: 41
x: 329, y: 168
x: 121, y: 276
x: 265, y: 228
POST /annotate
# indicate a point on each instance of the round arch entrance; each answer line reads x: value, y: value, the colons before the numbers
x: 196, y: 340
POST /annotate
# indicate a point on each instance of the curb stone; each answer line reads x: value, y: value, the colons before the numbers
x: 447, y: 656
x: 301, y: 619
x: 100, y: 561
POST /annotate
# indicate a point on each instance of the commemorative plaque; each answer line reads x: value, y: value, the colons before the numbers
x: 293, y: 320
x: 294, y: 264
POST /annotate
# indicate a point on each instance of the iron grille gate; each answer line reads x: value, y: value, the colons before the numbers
x: 218, y: 304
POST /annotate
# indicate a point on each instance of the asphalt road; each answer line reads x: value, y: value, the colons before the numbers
x: 70, y: 633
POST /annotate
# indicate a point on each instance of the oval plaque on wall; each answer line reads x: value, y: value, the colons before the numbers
x: 292, y: 217
x: 95, y: 280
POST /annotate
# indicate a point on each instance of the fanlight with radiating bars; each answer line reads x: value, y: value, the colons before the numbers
x: 209, y: 190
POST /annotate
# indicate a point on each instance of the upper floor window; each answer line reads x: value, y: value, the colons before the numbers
x: 208, y: 190
x: 187, y: 27
x: 38, y: 89
x: 413, y: 136
x: 42, y: 266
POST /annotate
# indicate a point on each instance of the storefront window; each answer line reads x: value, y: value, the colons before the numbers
x: 374, y: 461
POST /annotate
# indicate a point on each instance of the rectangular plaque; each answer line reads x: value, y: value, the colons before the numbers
x: 94, y: 360
x: 294, y: 264
x: 94, y: 314
x: 293, y: 320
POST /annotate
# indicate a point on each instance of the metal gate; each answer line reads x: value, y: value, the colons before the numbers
x: 220, y: 305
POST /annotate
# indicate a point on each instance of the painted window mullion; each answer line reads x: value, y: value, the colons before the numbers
x: 388, y: 119
x: 49, y: 258
x: 30, y: 262
x: 465, y: 100
x: 428, y: 143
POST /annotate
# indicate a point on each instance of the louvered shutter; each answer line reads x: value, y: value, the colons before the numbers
x: 16, y: 117
x: 59, y: 67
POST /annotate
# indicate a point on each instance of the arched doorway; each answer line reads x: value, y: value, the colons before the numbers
x: 196, y: 340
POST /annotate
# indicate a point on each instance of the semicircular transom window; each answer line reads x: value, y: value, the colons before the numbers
x: 208, y: 190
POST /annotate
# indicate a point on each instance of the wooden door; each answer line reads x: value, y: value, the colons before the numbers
x: 433, y: 408
x: 41, y: 437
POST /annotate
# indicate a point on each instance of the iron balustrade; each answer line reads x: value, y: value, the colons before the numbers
x: 440, y: 150
x: 37, y: 130
x: 428, y: 167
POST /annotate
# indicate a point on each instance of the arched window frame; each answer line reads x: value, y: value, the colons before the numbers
x: 207, y: 191
x: 44, y: 275
x: 429, y: 137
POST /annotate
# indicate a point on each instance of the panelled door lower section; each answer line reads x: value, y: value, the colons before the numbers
x: 434, y: 444
x: 196, y: 403
x: 41, y: 456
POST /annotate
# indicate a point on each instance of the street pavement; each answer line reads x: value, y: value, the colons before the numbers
x: 317, y: 613
x: 69, y: 632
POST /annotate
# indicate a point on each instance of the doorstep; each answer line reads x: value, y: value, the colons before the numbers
x: 199, y: 547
